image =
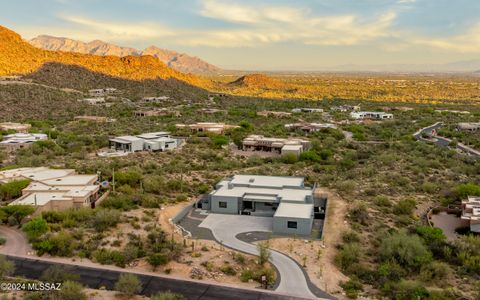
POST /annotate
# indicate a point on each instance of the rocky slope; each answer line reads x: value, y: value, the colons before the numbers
x: 19, y: 57
x: 178, y: 61
x: 257, y: 81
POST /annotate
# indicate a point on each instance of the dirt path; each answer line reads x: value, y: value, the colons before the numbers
x: 16, y: 243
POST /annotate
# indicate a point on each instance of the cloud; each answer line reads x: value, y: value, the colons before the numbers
x: 118, y: 31
x: 272, y: 24
x: 468, y: 42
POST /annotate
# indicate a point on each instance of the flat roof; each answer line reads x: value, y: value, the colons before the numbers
x: 41, y: 198
x: 153, y: 135
x: 72, y: 180
x: 294, y: 210
x: 267, y: 181
x: 292, y: 147
x: 37, y: 174
x: 125, y: 139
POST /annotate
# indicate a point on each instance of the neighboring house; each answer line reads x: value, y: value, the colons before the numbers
x: 463, y: 112
x: 54, y: 189
x: 345, y: 108
x: 307, y: 110
x: 156, y: 112
x: 277, y: 145
x: 20, y: 140
x: 158, y: 99
x: 268, y: 113
x: 212, y: 111
x: 102, y: 92
x: 17, y: 127
x: 218, y: 128
x: 153, y: 141
x: 95, y: 119
x: 309, y: 127
x: 468, y: 126
x: 93, y: 101
x: 471, y: 212
x: 286, y: 199
x: 373, y: 115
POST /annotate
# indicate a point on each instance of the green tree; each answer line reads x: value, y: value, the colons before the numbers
x: 58, y: 273
x: 263, y: 253
x: 405, y: 207
x: 13, y: 189
x: 157, y: 259
x: 35, y: 228
x: 407, y: 250
x: 128, y: 284
x: 105, y: 218
x: 18, y: 211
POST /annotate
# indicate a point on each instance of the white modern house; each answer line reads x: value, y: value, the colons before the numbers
x: 310, y: 127
x: 21, y: 140
x: 471, y: 212
x: 374, y: 115
x: 307, y: 110
x: 275, y: 145
x: 285, y: 199
x: 152, y: 141
x: 93, y: 101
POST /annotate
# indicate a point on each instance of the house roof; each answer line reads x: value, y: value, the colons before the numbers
x: 294, y: 210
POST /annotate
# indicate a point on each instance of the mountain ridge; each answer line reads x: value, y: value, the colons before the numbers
x: 179, y: 61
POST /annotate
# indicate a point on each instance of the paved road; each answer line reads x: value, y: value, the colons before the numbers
x: 225, y: 228
x: 93, y: 275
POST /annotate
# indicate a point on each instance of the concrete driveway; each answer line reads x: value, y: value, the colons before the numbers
x: 225, y: 228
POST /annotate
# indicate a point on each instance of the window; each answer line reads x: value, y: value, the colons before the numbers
x: 222, y: 204
x: 292, y: 224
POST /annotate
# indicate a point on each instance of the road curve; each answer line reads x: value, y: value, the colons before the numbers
x: 225, y: 228
x: 16, y: 242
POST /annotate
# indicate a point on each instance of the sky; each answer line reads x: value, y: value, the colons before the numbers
x: 266, y: 34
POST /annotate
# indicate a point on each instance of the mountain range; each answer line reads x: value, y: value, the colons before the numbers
x: 179, y: 61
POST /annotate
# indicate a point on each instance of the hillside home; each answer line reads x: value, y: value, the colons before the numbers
x: 54, y: 189
x: 17, y: 127
x: 93, y: 101
x: 156, y: 112
x: 20, y: 140
x: 307, y: 110
x: 268, y: 113
x: 153, y: 141
x: 159, y: 99
x: 102, y: 92
x: 345, y: 108
x: 471, y: 212
x: 468, y: 126
x: 218, y: 128
x: 276, y: 145
x: 372, y: 115
x: 462, y: 112
x: 309, y: 127
x: 285, y: 199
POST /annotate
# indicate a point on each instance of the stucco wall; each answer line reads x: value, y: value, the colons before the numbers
x: 304, y: 226
x: 232, y: 205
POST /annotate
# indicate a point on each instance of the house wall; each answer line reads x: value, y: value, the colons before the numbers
x: 295, y: 152
x: 232, y: 204
x: 280, y: 226
x: 137, y: 146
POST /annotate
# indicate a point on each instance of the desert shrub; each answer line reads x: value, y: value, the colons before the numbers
x: 407, y: 250
x: 167, y: 296
x: 52, y: 216
x: 59, y: 244
x: 347, y: 256
x: 70, y: 290
x: 467, y: 250
x: 128, y: 284
x: 352, y: 287
x: 105, y: 218
x: 13, y: 189
x: 405, y: 207
x: 382, y: 201
x: 157, y: 259
x: 228, y: 270
x: 435, y: 272
x: 289, y: 158
x: 464, y: 190
x: 17, y: 212
x: 132, y: 178
x: 350, y: 237
x: 359, y: 213
x: 58, y: 273
x: 219, y: 140
x: 109, y: 257
x: 405, y: 290
x: 310, y: 156
x: 119, y: 201
x: 6, y: 267
x: 35, y: 228
x: 263, y: 253
x: 247, y: 275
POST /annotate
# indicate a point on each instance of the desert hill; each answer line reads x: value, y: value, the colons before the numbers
x: 179, y: 61
x: 18, y: 57
x: 257, y: 81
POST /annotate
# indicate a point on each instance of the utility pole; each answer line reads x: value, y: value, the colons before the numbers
x: 113, y: 179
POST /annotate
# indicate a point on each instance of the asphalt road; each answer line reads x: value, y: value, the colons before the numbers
x: 95, y: 276
x: 151, y: 285
x: 225, y: 228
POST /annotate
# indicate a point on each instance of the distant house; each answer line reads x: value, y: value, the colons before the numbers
x: 98, y: 119
x: 93, y: 101
x: 218, y: 128
x: 309, y: 127
x: 17, y: 127
x: 307, y: 110
x: 212, y: 111
x: 373, y: 115
x: 345, y: 108
x: 20, y: 140
x: 54, y: 189
x: 471, y: 212
x: 462, y: 112
x: 285, y: 199
x: 268, y: 113
x: 102, y: 92
x: 153, y: 141
x: 159, y: 99
x: 468, y: 126
x: 156, y: 112
x: 276, y: 145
